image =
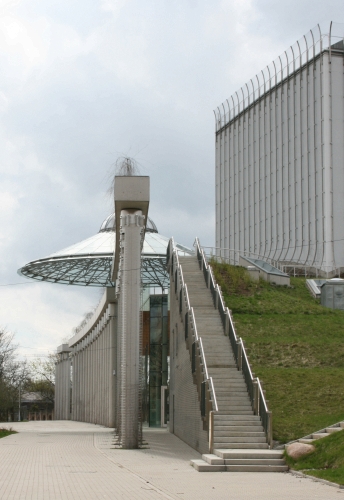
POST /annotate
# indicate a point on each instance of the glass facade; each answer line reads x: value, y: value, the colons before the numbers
x: 158, y: 353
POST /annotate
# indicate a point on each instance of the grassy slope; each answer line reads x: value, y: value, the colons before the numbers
x: 326, y: 462
x: 295, y: 346
x: 5, y: 432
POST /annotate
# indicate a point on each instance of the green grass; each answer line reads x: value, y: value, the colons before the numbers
x: 326, y: 462
x: 295, y: 346
x: 6, y: 432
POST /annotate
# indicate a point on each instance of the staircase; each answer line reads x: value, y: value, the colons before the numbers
x: 321, y: 434
x: 239, y: 439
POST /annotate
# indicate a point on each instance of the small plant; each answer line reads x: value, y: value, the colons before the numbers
x: 6, y: 432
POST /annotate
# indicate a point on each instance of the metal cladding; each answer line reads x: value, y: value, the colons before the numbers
x: 279, y: 158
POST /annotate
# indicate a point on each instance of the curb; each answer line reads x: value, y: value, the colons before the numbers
x: 317, y: 479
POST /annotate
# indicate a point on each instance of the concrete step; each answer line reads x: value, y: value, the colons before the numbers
x: 229, y: 382
x: 236, y: 433
x: 239, y: 426
x: 254, y: 461
x: 203, y: 466
x: 238, y: 413
x: 231, y: 395
x: 230, y: 389
x: 223, y: 392
x: 306, y: 441
x: 330, y: 430
x: 218, y: 357
x: 234, y: 407
x: 234, y: 418
x: 242, y: 446
x: 245, y: 428
x: 320, y: 435
x: 240, y: 439
x: 247, y: 454
x: 212, y: 459
x: 234, y: 400
x: 232, y: 373
x: 256, y: 468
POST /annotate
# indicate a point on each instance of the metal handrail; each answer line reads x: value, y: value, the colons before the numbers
x: 187, y: 297
x: 203, y: 359
x: 213, y: 391
x: 231, y: 256
x: 253, y: 384
x: 194, y: 323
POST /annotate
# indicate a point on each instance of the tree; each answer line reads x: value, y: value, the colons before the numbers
x: 7, y: 351
x: 13, y: 375
x: 42, y: 372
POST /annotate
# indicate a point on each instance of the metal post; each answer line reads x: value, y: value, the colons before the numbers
x: 240, y: 355
x: 211, y: 432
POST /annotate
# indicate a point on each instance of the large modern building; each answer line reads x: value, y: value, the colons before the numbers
x: 280, y: 160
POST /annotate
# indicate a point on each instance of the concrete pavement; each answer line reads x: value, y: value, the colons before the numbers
x: 72, y: 460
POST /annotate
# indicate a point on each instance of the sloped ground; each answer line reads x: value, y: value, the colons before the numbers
x: 295, y: 346
x: 326, y: 462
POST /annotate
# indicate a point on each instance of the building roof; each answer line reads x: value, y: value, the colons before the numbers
x: 89, y: 262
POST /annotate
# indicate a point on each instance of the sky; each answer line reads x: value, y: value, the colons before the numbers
x: 84, y: 82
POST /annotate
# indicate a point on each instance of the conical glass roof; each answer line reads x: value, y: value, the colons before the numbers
x: 88, y: 263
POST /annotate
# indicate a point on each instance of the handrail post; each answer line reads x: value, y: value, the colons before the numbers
x: 211, y: 432
x: 227, y: 323
x: 270, y: 440
x: 256, y: 397
x: 240, y: 355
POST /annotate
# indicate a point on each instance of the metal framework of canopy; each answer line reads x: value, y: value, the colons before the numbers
x: 89, y: 263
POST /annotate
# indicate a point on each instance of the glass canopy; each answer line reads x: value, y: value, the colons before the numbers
x: 89, y: 262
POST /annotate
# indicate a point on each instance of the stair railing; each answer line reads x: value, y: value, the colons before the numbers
x: 204, y: 383
x: 254, y: 387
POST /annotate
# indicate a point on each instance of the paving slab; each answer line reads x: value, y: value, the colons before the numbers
x: 55, y: 460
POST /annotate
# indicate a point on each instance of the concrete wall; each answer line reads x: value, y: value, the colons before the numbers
x: 185, y: 413
x: 279, y: 164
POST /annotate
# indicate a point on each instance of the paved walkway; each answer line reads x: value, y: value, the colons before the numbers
x: 72, y: 460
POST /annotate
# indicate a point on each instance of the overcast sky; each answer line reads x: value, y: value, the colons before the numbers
x: 83, y: 82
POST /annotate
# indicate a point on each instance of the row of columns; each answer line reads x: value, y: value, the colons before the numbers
x: 94, y: 368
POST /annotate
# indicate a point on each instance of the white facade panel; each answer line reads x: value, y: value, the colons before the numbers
x: 280, y: 162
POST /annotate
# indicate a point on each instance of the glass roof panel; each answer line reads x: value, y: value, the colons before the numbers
x: 89, y: 262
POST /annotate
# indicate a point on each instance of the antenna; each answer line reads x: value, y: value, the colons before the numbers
x: 126, y: 166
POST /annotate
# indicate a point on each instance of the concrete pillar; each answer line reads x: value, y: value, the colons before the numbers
x: 132, y: 223
x: 62, y: 383
x: 91, y: 389
x: 96, y: 386
x: 113, y: 364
